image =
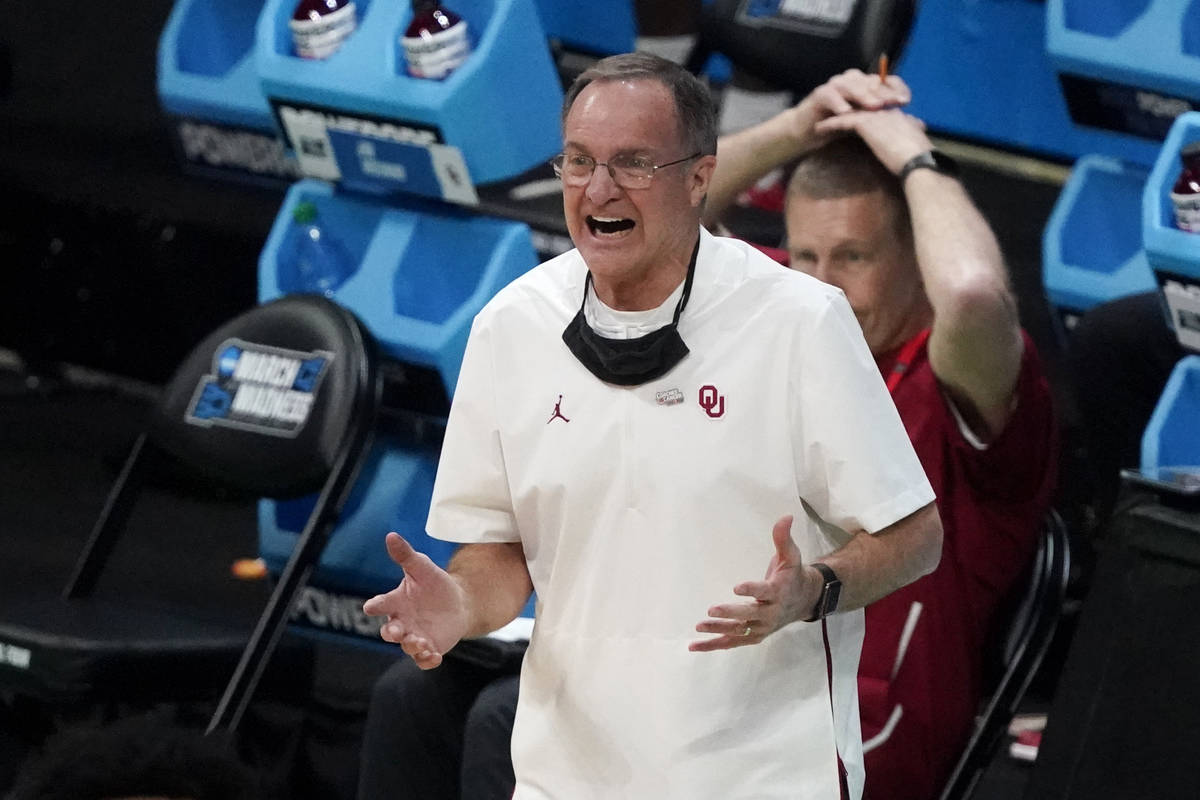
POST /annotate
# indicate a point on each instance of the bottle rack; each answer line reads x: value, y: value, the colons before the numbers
x: 1126, y: 65
x: 1172, y: 437
x: 357, y: 118
x: 1092, y: 244
x: 980, y: 70
x: 1174, y: 254
x: 422, y: 271
x: 221, y: 121
x: 421, y: 274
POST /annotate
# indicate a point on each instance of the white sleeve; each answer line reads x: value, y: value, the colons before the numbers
x: 855, y: 465
x: 471, y: 500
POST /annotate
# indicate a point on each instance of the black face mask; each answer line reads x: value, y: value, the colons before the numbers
x: 630, y: 362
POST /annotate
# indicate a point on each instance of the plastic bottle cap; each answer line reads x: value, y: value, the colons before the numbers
x: 305, y: 212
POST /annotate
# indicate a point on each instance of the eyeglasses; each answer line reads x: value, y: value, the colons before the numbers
x: 628, y: 172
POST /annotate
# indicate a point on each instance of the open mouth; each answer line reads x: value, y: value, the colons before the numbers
x: 609, y: 226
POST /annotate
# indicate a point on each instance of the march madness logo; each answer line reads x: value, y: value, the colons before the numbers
x: 258, y: 388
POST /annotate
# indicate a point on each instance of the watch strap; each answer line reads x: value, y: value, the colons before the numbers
x: 933, y: 159
x: 831, y: 590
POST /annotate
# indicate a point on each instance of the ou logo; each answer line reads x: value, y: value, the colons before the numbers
x: 712, y: 401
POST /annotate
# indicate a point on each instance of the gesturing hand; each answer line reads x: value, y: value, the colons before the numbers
x: 787, y: 593
x: 426, y: 613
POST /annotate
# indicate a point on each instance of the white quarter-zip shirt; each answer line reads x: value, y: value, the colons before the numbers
x: 640, y: 507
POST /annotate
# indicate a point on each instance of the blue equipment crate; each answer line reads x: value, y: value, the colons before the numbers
x: 979, y: 70
x: 1092, y: 244
x: 420, y: 273
x: 208, y: 85
x: 358, y: 118
x: 1172, y: 437
x: 1126, y: 65
x: 1174, y: 254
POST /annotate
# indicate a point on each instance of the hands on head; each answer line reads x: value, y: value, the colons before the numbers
x: 855, y: 102
x: 852, y: 101
x: 788, y: 592
x: 427, y: 613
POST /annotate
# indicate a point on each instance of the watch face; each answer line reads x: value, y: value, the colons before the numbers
x: 830, y: 592
x: 833, y: 591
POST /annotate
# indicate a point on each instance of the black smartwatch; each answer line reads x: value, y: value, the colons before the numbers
x: 828, y: 601
x: 934, y: 159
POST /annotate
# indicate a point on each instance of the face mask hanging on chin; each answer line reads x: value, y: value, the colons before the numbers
x: 630, y: 362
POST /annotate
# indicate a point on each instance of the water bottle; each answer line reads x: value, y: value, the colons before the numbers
x: 319, y: 263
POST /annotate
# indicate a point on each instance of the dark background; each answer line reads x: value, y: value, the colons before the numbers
x: 113, y: 257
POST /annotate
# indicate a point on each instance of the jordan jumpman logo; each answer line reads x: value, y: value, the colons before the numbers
x: 557, y: 412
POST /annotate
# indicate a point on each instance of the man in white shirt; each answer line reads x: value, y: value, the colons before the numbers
x: 630, y: 420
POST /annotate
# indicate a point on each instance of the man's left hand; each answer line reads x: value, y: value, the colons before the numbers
x: 787, y: 593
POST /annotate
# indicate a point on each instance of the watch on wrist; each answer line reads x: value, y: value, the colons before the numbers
x: 831, y: 590
x: 934, y: 159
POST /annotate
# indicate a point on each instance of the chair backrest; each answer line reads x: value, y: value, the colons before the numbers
x: 276, y: 402
x: 280, y: 401
x: 1030, y: 630
x: 270, y: 401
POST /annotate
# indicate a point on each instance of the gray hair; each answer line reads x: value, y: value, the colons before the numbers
x: 694, y: 108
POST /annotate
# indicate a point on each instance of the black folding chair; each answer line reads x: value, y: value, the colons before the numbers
x: 1030, y: 631
x: 279, y: 402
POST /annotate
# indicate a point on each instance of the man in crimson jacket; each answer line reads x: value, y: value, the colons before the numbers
x: 874, y: 209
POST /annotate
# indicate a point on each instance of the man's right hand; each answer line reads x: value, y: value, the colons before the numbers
x: 427, y: 613
x: 746, y: 156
